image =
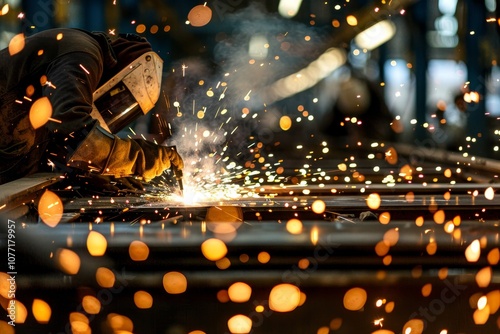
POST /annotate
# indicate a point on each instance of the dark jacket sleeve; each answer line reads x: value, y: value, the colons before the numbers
x: 63, y: 65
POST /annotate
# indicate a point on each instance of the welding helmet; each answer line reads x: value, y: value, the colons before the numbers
x: 129, y: 94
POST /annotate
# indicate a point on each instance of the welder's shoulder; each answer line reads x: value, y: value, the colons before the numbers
x: 52, y: 43
x: 41, y: 49
x: 60, y: 41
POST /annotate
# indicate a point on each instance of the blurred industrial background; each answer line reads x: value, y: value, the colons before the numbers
x: 345, y: 152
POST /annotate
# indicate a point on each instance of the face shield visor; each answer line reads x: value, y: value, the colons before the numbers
x: 131, y: 93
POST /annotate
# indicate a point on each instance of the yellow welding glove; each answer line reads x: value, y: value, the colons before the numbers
x: 108, y: 154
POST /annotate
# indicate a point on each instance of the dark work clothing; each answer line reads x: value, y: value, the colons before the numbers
x: 58, y: 59
x: 66, y: 66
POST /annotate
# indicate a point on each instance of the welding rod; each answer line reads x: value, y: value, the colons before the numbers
x: 178, y: 174
x: 178, y: 177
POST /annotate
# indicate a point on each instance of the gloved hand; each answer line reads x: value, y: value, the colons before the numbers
x: 156, y: 160
x: 173, y: 157
x: 109, y: 155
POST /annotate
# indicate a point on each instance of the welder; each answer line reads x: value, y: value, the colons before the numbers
x: 66, y: 67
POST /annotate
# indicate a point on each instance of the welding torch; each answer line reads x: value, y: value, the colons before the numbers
x: 178, y: 174
x: 178, y: 177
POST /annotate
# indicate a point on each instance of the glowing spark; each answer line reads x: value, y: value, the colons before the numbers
x: 5, y: 9
x: 284, y: 298
x: 55, y: 120
x: 355, y: 299
x: 489, y: 193
x: 16, y: 44
x: 48, y: 83
x: 222, y: 95
x: 352, y: 20
x: 240, y: 324
x: 83, y: 68
x: 473, y: 251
